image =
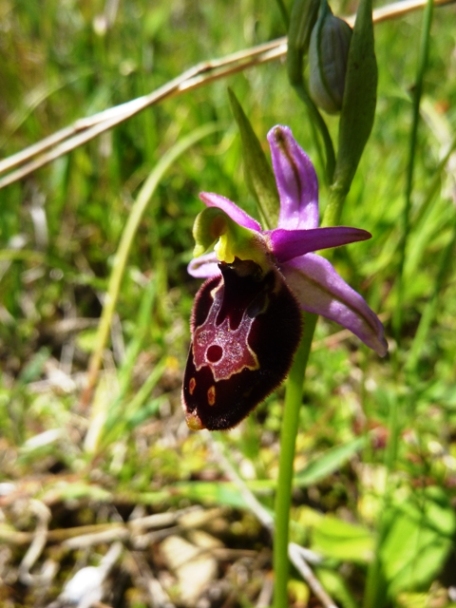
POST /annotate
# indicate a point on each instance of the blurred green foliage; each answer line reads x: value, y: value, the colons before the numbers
x: 59, y: 232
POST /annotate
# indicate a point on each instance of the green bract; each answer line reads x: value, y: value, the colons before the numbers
x: 258, y: 173
x: 360, y: 98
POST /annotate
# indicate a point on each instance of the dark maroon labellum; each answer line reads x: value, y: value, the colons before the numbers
x: 246, y: 326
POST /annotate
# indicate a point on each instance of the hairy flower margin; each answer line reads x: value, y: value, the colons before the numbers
x: 314, y: 282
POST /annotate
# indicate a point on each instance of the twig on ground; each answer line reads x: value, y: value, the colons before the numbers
x: 93, y: 534
x: 262, y: 514
x: 38, y: 543
x: 298, y: 557
x: 265, y: 597
x: 86, y: 587
x: 141, y: 571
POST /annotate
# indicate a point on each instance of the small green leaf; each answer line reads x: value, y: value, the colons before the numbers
x: 34, y: 368
x: 258, y: 172
x: 326, y: 464
x: 360, y: 97
x: 341, y: 540
x: 217, y: 493
x: 418, y: 541
x: 335, y: 584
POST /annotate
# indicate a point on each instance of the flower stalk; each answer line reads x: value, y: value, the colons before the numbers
x: 288, y: 434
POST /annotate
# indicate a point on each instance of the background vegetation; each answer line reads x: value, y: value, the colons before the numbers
x: 376, y: 463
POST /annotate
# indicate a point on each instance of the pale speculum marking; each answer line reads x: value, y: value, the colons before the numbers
x: 225, y: 350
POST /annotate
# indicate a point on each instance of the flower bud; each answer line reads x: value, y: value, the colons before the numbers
x: 328, y: 53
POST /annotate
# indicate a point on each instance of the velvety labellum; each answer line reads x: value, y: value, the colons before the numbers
x: 246, y: 326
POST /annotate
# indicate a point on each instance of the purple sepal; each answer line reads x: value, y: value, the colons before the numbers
x: 319, y: 289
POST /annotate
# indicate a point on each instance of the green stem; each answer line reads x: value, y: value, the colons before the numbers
x: 422, y: 64
x: 333, y: 211
x: 284, y: 13
x: 293, y: 402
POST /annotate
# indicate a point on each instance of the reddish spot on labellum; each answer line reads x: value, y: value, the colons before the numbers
x: 192, y: 385
x: 211, y: 395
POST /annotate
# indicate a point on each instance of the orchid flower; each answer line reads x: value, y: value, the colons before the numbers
x: 246, y: 322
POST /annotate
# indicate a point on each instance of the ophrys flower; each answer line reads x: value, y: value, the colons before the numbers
x: 246, y: 321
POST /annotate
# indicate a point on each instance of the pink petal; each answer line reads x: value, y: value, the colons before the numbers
x: 289, y: 244
x: 204, y: 267
x: 237, y: 214
x: 296, y: 181
x: 320, y: 290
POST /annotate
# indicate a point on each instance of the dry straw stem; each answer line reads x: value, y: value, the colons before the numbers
x: 85, y: 129
x: 298, y: 556
x: 85, y: 536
